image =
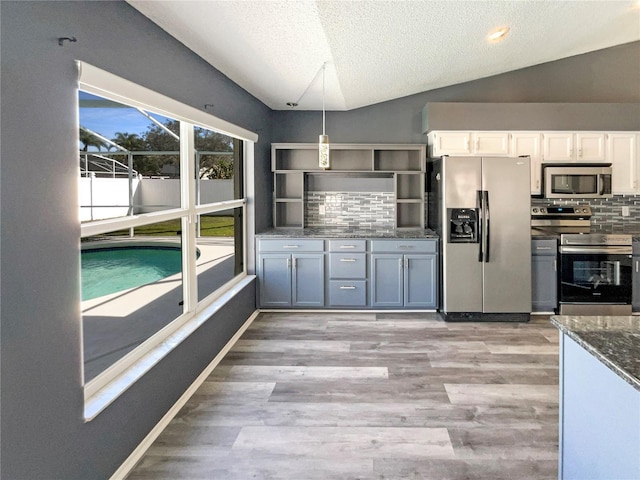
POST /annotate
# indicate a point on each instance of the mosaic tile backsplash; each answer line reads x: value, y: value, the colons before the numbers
x: 366, y: 210
x: 606, y: 212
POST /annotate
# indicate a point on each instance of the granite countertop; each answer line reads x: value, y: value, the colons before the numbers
x: 615, y: 341
x: 338, y: 232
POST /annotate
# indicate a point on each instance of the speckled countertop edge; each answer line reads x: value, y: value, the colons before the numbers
x: 310, y: 232
x: 580, y: 327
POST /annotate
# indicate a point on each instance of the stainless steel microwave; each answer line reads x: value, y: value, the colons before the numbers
x: 580, y: 180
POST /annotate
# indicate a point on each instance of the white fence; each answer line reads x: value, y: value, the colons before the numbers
x: 102, y: 198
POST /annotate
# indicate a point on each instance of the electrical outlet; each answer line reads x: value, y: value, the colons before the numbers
x: 322, y: 210
x: 625, y: 211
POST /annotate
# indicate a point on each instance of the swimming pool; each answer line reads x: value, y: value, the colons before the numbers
x: 113, y: 269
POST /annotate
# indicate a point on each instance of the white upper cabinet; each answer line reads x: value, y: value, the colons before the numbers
x: 574, y: 147
x: 621, y: 149
x: 591, y: 147
x: 469, y: 143
x: 490, y: 143
x: 622, y: 152
x: 450, y: 143
x: 557, y: 147
x: 528, y: 143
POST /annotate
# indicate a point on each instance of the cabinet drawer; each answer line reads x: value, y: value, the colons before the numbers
x: 347, y: 265
x: 347, y: 245
x: 544, y: 247
x: 348, y: 293
x: 290, y: 245
x: 404, y: 246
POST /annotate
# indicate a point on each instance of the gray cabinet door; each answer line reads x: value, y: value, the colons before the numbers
x: 274, y: 274
x: 308, y: 280
x: 636, y: 284
x: 386, y: 280
x: 544, y: 291
x: 420, y: 281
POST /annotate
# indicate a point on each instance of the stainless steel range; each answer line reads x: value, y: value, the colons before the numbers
x: 595, y: 269
x: 595, y: 274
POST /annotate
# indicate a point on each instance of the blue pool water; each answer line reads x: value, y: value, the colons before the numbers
x: 110, y: 270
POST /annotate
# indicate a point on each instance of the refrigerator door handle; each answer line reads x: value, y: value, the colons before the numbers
x: 487, y: 227
x: 480, y: 229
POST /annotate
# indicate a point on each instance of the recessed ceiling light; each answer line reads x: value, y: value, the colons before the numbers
x: 497, y: 34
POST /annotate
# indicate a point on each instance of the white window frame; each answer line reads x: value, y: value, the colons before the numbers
x: 117, y: 378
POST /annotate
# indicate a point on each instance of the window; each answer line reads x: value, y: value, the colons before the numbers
x: 162, y: 208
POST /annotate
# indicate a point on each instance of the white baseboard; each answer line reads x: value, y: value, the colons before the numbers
x: 140, y: 450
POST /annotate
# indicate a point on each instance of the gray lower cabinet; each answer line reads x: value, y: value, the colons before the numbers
x: 404, y: 280
x: 290, y: 279
x: 347, y: 273
x: 544, y: 275
x: 388, y: 274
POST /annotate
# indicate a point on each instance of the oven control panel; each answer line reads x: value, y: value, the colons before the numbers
x: 555, y: 211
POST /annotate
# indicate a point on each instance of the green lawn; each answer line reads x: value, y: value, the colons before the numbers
x: 210, y: 226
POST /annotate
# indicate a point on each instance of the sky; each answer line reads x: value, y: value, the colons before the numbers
x: 106, y: 117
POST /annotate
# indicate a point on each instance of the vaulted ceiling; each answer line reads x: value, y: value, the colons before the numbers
x: 381, y: 50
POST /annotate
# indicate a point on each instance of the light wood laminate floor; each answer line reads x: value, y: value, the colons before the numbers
x: 371, y: 396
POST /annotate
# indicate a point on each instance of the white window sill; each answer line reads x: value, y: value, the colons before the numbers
x: 112, y: 390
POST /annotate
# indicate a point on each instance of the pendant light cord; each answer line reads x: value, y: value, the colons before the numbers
x: 324, y: 65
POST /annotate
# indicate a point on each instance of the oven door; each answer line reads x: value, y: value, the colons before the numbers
x: 592, y: 274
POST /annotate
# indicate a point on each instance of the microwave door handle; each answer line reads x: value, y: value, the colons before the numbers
x: 601, y: 184
x: 487, y: 227
x: 479, y: 226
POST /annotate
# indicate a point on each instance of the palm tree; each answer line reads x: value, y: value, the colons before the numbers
x: 130, y: 141
x: 88, y: 139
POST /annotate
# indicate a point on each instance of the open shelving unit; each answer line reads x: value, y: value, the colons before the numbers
x: 292, y: 162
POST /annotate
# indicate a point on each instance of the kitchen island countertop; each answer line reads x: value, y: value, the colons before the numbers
x: 615, y: 341
x: 337, y: 232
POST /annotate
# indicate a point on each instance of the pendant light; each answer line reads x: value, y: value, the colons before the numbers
x: 323, y: 142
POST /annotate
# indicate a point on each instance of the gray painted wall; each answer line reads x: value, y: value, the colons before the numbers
x: 42, y: 429
x: 605, y: 76
x: 531, y: 116
x: 43, y: 432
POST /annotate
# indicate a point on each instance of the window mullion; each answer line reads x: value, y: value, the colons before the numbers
x: 188, y: 202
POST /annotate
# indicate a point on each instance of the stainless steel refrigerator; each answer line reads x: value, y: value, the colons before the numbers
x: 480, y: 206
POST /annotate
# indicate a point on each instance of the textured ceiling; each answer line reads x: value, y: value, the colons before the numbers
x: 381, y: 50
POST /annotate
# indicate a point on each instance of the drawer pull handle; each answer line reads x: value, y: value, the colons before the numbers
x: 347, y: 259
x: 347, y: 287
x: 291, y: 246
x: 404, y: 247
x: 543, y: 248
x: 347, y: 246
